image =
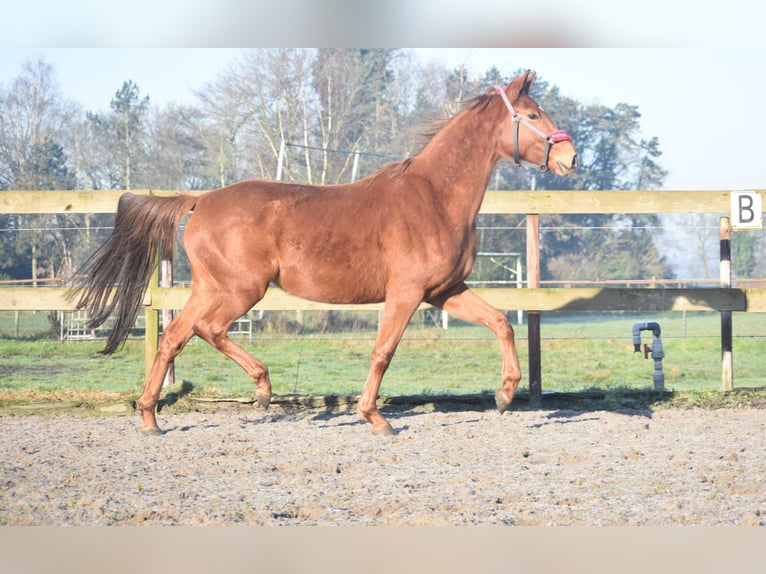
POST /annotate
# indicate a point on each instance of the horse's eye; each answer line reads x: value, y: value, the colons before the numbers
x: 533, y: 116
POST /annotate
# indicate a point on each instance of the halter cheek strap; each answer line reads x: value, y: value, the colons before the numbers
x: 550, y: 139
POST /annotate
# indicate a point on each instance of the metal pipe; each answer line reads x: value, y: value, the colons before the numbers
x: 647, y: 326
x: 657, y: 351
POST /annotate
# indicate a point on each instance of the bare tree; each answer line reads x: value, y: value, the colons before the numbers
x: 177, y: 154
x: 33, y: 121
x: 352, y: 89
x: 260, y: 101
x: 691, y: 244
x: 325, y: 100
x: 32, y: 111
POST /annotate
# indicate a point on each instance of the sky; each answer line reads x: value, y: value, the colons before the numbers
x: 554, y: 23
x: 703, y: 104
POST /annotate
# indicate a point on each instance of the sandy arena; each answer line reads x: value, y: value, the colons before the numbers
x: 244, y: 466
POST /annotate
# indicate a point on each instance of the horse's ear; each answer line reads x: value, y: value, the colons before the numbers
x: 520, y: 86
x: 529, y: 76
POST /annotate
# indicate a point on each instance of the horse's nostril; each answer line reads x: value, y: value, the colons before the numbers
x: 574, y: 161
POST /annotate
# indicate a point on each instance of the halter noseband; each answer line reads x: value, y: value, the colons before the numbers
x: 550, y: 139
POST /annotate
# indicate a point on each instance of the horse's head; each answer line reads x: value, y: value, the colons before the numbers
x: 528, y: 133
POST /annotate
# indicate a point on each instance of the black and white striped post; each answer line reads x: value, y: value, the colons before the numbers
x: 727, y: 361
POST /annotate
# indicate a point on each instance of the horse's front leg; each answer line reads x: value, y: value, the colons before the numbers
x: 394, y: 319
x: 464, y: 304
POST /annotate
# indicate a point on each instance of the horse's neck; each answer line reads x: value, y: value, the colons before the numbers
x: 459, y: 160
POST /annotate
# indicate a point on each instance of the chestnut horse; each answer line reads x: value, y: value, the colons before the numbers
x: 404, y: 235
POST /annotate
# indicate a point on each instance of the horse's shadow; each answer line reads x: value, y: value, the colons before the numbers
x: 173, y: 397
x: 558, y: 408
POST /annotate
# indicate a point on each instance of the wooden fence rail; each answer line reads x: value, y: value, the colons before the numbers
x: 508, y: 299
x: 496, y: 202
x: 520, y: 202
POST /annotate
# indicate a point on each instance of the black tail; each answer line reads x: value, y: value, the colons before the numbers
x: 118, y: 272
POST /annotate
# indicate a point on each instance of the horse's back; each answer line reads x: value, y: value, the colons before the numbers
x: 337, y: 244
x: 317, y: 242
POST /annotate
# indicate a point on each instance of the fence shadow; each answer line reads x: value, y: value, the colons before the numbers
x: 561, y: 405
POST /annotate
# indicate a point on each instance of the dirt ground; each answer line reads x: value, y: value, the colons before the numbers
x: 241, y: 465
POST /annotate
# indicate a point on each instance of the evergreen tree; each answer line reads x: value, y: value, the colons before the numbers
x: 121, y: 138
x: 44, y: 244
x: 744, y: 248
x: 45, y: 168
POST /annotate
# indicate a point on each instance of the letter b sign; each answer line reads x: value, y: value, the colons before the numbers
x: 746, y: 210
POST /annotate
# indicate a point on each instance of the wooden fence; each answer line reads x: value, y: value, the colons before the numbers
x: 534, y: 300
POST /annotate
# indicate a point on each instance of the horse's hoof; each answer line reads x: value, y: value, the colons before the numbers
x: 151, y: 431
x: 383, y: 429
x: 502, y: 402
x: 263, y: 400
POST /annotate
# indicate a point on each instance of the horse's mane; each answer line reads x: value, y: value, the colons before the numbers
x: 430, y: 129
x: 426, y: 133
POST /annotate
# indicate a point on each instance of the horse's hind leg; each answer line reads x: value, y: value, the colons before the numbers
x: 464, y: 304
x: 213, y: 328
x: 211, y: 324
x: 173, y: 340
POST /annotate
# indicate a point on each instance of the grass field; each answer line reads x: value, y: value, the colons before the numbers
x: 579, y: 352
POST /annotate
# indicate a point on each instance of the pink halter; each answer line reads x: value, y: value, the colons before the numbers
x: 550, y: 139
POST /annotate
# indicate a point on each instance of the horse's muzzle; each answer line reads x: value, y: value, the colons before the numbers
x: 566, y: 169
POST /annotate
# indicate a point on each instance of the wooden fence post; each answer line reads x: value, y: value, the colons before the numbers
x: 533, y: 317
x: 152, y: 325
x: 727, y: 360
